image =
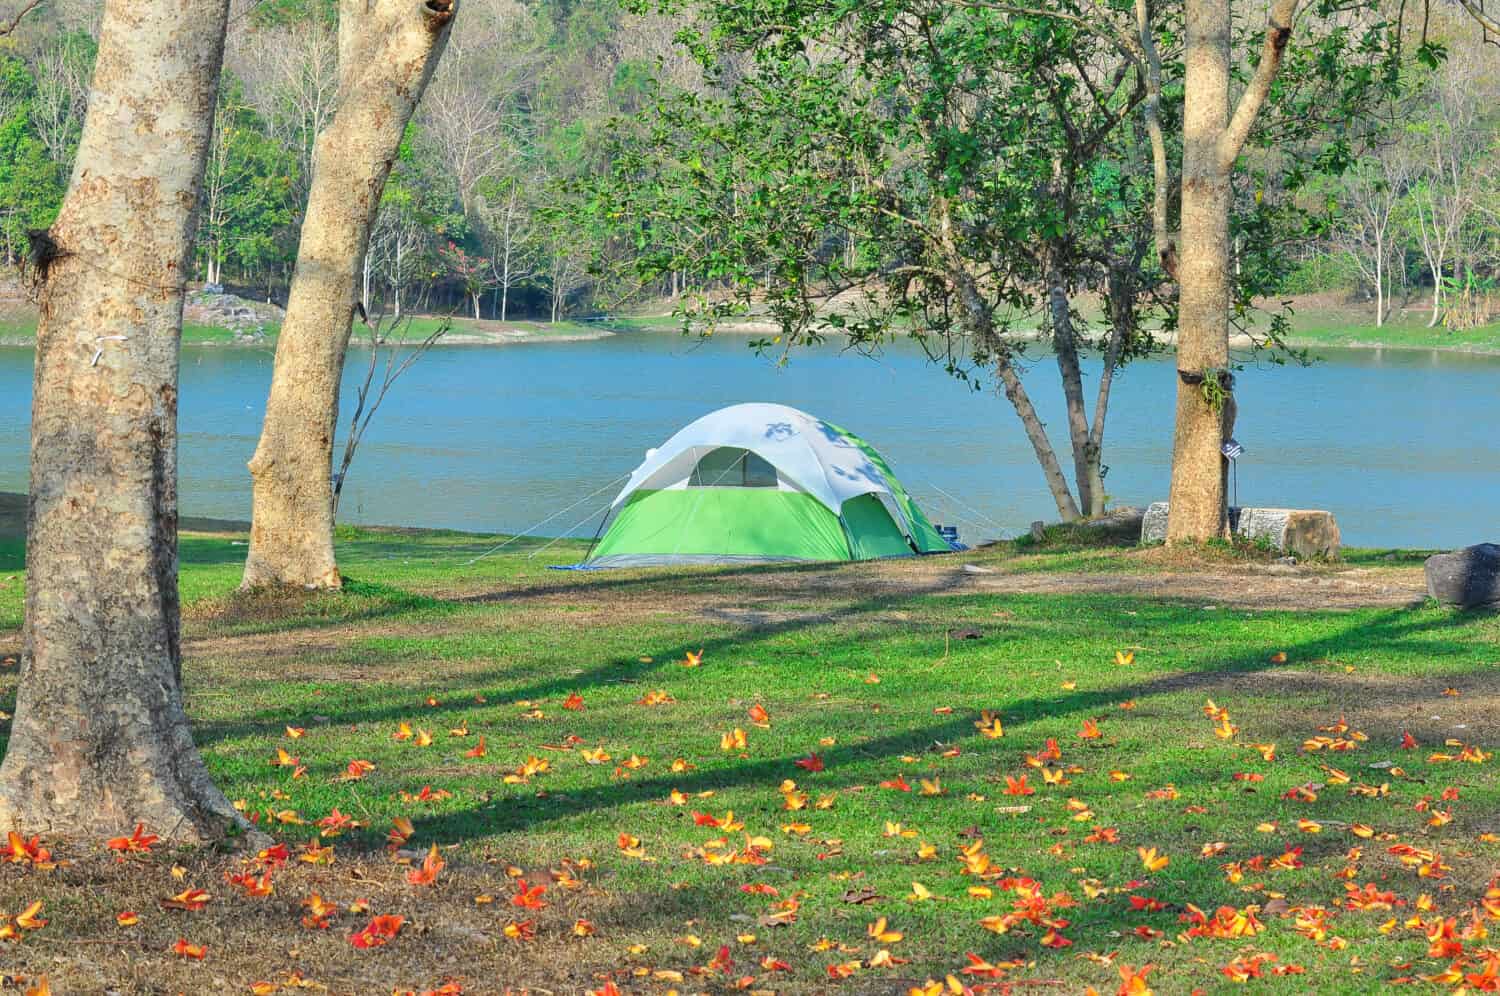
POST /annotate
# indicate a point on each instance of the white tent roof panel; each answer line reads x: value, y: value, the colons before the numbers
x: 805, y: 451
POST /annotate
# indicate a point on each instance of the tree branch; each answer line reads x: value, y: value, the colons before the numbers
x: 1489, y: 22
x: 1278, y: 32
x: 15, y: 22
x: 1166, y: 249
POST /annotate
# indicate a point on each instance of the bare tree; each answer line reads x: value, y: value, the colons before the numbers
x: 472, y: 110
x: 62, y: 96
x: 512, y: 229
x: 100, y: 740
x: 388, y: 341
x: 1372, y: 196
x: 388, y: 50
x: 567, y: 273
x: 291, y: 79
x: 1452, y: 160
x: 396, y: 252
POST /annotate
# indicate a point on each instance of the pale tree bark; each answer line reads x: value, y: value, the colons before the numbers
x: 100, y: 740
x: 387, y: 52
x: 1212, y: 139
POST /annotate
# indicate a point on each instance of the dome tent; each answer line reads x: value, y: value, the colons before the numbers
x: 757, y: 483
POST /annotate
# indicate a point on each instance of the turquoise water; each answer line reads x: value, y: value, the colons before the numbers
x: 1401, y: 445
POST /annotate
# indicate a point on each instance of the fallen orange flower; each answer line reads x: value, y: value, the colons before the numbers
x: 428, y: 873
x: 191, y: 900
x: 186, y: 950
x: 137, y: 842
x: 377, y: 932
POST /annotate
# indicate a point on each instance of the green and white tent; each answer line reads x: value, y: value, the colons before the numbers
x: 758, y: 483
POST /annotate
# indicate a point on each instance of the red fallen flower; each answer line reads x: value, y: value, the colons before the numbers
x: 573, y: 703
x: 186, y: 950
x: 1148, y: 904
x: 811, y: 762
x: 29, y: 852
x: 1052, y: 939
x: 191, y: 900
x: 978, y: 966
x: 898, y: 783
x: 137, y: 842
x: 378, y: 931
x: 335, y: 823
x: 528, y: 897
x: 759, y: 889
x: 250, y: 883
x: 722, y: 962
x: 274, y: 856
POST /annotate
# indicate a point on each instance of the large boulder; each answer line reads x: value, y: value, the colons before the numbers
x: 1469, y: 578
x: 1303, y: 533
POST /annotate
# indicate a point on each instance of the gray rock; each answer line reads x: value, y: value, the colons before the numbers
x: 1469, y: 578
x: 1123, y: 523
x: 1154, y: 524
x: 1039, y: 531
x: 1301, y: 533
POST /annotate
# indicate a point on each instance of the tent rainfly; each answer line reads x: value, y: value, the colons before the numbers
x: 758, y: 483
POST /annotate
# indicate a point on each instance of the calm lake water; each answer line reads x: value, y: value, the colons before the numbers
x: 1401, y: 445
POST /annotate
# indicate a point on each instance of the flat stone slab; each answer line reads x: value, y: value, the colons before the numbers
x: 1468, y: 578
x: 1301, y: 532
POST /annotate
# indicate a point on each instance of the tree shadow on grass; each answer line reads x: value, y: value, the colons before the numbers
x: 525, y: 813
x: 396, y: 703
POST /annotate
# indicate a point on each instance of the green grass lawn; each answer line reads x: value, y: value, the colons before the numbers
x: 882, y: 675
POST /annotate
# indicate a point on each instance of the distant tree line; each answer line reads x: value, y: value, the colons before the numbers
x: 481, y: 214
x: 469, y: 218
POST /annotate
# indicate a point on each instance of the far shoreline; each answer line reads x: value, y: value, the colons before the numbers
x: 1324, y: 327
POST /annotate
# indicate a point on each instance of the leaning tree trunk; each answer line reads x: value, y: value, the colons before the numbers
x: 100, y: 740
x: 1212, y: 140
x: 1065, y: 349
x: 387, y: 52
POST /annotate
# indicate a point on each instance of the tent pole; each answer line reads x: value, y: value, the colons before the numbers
x: 597, y: 533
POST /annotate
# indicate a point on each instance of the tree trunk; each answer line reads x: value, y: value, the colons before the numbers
x: 387, y: 52
x: 1379, y: 280
x: 100, y: 740
x: 1065, y: 349
x: 396, y: 282
x: 1196, y: 511
x: 1118, y: 299
x: 364, y: 285
x: 1212, y: 140
x: 474, y: 296
x: 1036, y: 432
x: 980, y: 326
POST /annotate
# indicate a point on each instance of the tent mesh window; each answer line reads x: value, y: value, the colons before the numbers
x: 731, y: 467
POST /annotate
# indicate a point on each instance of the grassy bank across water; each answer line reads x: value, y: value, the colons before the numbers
x: 1315, y: 324
x: 18, y: 329
x: 973, y: 754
